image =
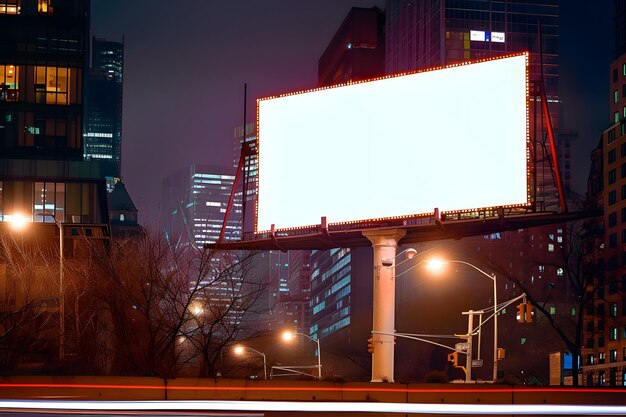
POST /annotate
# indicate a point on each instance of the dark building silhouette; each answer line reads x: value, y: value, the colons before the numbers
x: 103, y: 107
x: 122, y: 212
x: 604, y: 337
x: 357, y: 51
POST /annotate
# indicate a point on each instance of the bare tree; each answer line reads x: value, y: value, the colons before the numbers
x: 574, y: 266
x: 28, y: 304
x: 162, y: 310
x: 222, y: 301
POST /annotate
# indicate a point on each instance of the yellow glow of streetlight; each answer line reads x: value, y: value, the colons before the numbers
x: 287, y: 336
x: 18, y: 221
x: 435, y: 265
x: 196, y: 308
x: 238, y: 350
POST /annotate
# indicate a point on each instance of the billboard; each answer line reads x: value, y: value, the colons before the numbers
x: 452, y: 138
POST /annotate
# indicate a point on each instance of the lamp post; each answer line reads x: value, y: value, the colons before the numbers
x: 61, y: 291
x: 240, y: 349
x: 438, y: 264
x: 288, y: 336
x: 19, y: 221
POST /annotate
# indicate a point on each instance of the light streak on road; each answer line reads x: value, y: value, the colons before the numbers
x: 300, y: 406
x: 282, y: 388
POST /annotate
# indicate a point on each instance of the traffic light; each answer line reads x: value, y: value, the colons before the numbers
x: 501, y: 353
x: 521, y: 312
x: 370, y: 345
x: 529, y: 313
x: 454, y: 358
x: 525, y: 313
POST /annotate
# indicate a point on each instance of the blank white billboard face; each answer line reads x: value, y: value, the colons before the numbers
x: 453, y: 139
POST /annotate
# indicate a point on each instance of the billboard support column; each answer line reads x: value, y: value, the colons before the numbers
x: 384, y: 244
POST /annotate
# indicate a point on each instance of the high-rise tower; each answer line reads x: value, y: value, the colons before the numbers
x: 103, y: 111
x: 43, y: 56
x: 604, y: 330
x: 430, y: 33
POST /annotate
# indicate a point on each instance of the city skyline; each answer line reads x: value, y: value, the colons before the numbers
x: 183, y: 99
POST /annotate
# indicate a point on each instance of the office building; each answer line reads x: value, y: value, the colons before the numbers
x: 43, y: 61
x: 102, y: 136
x: 357, y: 51
x: 431, y: 33
x: 194, y: 204
x: 249, y: 172
x: 603, y: 353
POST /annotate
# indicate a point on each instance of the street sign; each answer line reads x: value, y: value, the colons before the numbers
x: 477, y: 363
x: 461, y: 347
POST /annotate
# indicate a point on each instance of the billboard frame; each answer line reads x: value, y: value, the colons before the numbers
x: 380, y: 221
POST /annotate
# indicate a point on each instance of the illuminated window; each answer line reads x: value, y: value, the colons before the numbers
x: 52, y: 85
x: 552, y: 311
x: 44, y: 6
x: 122, y: 217
x: 615, y: 96
x: 9, y: 6
x: 616, y: 117
x: 49, y: 202
x: 9, y: 85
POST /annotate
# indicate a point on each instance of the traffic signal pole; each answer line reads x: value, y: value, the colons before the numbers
x: 468, y: 356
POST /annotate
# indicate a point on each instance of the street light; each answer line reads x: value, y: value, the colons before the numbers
x: 289, y: 335
x: 408, y: 254
x: 438, y: 264
x: 19, y: 221
x: 240, y: 350
x: 61, y: 290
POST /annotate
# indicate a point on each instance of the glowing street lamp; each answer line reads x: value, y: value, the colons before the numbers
x: 196, y: 308
x: 240, y: 350
x: 437, y: 265
x: 288, y: 336
x: 18, y: 222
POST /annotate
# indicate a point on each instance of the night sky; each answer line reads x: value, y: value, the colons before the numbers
x: 186, y: 64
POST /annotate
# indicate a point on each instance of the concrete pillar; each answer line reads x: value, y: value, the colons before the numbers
x: 384, y: 244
